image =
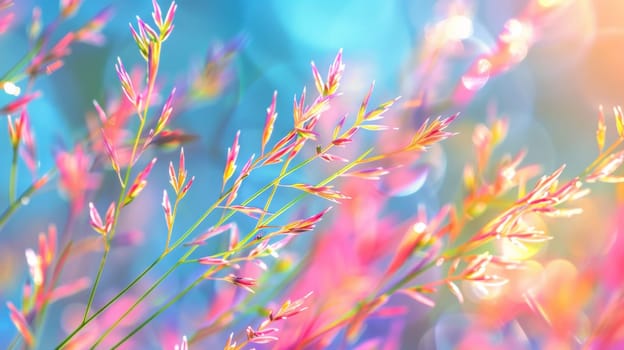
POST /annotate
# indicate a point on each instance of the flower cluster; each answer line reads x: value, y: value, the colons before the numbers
x: 304, y: 206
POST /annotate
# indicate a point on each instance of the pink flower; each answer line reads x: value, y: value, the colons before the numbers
x: 75, y: 176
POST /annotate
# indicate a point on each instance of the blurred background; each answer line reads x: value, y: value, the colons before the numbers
x: 565, y: 63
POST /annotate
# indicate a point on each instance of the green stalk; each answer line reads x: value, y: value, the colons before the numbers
x: 193, y: 227
x: 243, y: 241
x: 22, y: 199
x: 13, y: 175
x: 122, y: 195
x: 160, y: 310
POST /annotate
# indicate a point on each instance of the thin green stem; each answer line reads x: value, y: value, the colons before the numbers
x: 13, y: 175
x: 159, y: 311
x: 137, y: 302
x: 242, y: 243
x: 14, y: 342
x: 9, y: 75
x: 23, y: 198
x: 170, y: 229
x: 193, y: 227
x: 603, y: 155
x: 105, y: 306
x: 95, y: 284
x: 120, y: 200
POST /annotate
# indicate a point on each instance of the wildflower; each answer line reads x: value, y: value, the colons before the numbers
x: 322, y: 191
x: 21, y: 324
x: 5, y: 21
x: 261, y: 336
x: 139, y: 183
x: 333, y: 76
x: 165, y: 114
x: 19, y: 103
x: 126, y: 82
x: 166, y: 204
x: 289, y: 309
x: 243, y: 282
x: 75, y: 177
x: 230, y: 165
x: 69, y: 7
x: 102, y: 227
x: 431, y: 132
x: 90, y: 32
x: 214, y: 231
x: 303, y: 225
x: 271, y: 116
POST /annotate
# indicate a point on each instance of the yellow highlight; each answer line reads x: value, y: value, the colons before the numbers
x: 549, y: 3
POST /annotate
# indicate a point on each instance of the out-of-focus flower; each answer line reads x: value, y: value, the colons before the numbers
x: 75, y: 176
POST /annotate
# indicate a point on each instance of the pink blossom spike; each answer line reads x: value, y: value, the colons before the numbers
x: 110, y: 217
x: 326, y: 192
x: 166, y: 113
x: 153, y: 61
x: 146, y: 31
x: 456, y: 291
x: 140, y: 41
x: 271, y: 116
x: 167, y: 26
x: 21, y: 324
x: 243, y: 282
x: 335, y: 74
x: 90, y: 33
x: 249, y: 211
x: 208, y: 260
x: 61, y: 48
x: 234, y: 237
x: 419, y: 297
x: 186, y: 187
x: 166, y: 204
x: 418, y: 235
x: 139, y: 183
x: 96, y: 221
x: 601, y: 131
x: 173, y: 179
x: 606, y: 167
x: 157, y: 14
x: 263, y: 339
x: 276, y: 156
x: 369, y: 174
x: 619, y: 120
x: 289, y: 309
x: 69, y: 289
x: 332, y: 158
x: 15, y: 131
x: 126, y: 82
x: 318, y: 81
x: 339, y: 126
x: 18, y: 103
x: 100, y: 112
x: 112, y: 154
x: 230, y: 165
x: 362, y: 111
x: 213, y: 231
x: 6, y: 21
x: 69, y: 7
x: 304, y: 225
